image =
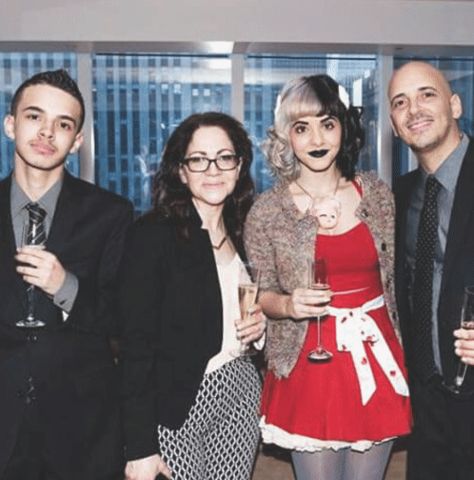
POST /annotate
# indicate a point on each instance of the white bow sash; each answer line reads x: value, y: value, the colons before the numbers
x: 353, y: 328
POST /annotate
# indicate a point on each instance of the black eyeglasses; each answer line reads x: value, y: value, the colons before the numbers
x: 227, y: 161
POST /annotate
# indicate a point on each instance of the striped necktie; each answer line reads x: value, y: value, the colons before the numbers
x: 36, y: 234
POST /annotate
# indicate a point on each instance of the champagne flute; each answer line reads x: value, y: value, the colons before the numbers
x: 318, y: 280
x: 467, y: 322
x: 31, y: 238
x: 249, y: 279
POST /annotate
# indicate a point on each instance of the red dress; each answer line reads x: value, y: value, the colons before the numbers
x: 320, y: 404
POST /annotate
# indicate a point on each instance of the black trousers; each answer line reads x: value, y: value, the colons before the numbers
x: 30, y: 459
x: 441, y: 446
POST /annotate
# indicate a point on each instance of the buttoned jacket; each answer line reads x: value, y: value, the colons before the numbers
x: 70, y: 362
x: 458, y: 266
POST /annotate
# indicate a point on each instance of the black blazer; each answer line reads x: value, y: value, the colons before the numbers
x: 171, y: 316
x: 70, y: 362
x: 458, y: 269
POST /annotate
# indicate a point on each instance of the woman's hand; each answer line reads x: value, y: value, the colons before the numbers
x: 147, y: 468
x: 307, y: 303
x: 253, y: 327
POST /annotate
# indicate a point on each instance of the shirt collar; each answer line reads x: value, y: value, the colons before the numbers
x: 48, y: 201
x: 448, y: 172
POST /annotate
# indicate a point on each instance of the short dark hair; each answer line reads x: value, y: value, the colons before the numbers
x: 172, y: 199
x: 315, y: 95
x: 57, y: 79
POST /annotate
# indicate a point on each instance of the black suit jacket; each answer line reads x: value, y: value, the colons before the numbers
x: 171, y: 313
x: 458, y: 268
x: 70, y: 362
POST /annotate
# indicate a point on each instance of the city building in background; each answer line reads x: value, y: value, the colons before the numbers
x: 138, y: 99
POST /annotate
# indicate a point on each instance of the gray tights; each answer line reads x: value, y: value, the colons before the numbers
x: 345, y: 464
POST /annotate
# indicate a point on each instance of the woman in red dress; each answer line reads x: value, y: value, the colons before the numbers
x: 339, y: 417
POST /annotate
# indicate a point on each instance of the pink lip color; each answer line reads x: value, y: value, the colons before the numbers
x: 43, y: 149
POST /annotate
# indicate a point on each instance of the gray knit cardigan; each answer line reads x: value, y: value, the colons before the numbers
x: 280, y: 239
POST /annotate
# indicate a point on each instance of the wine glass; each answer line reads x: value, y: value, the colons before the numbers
x: 467, y: 322
x: 318, y: 280
x: 249, y: 279
x: 31, y: 237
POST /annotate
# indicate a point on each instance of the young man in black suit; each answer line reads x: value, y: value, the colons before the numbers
x: 59, y: 402
x: 434, y: 263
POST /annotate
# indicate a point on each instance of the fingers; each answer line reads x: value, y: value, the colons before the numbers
x: 253, y: 327
x: 147, y: 468
x: 164, y: 469
x: 307, y: 303
x: 40, y: 268
x: 464, y: 345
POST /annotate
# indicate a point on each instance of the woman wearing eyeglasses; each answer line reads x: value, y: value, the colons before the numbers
x: 189, y: 404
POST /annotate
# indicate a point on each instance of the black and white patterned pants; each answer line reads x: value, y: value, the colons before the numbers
x: 219, y: 439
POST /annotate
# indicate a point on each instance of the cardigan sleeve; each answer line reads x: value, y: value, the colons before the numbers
x: 141, y: 283
x: 258, y: 243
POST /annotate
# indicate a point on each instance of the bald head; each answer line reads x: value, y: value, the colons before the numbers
x: 424, y: 112
x: 417, y: 70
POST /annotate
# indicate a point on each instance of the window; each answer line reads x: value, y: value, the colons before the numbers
x: 14, y: 69
x: 139, y: 100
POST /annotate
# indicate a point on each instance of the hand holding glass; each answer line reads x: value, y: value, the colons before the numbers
x: 29, y: 239
x: 249, y: 278
x: 318, y: 280
x: 467, y: 322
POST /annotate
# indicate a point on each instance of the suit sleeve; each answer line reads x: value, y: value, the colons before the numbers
x: 94, y: 305
x: 140, y: 292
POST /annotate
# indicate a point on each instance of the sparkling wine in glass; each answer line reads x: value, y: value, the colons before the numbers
x: 31, y: 238
x: 318, y: 280
x: 249, y: 278
x: 467, y: 322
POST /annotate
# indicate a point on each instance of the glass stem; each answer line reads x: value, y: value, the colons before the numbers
x: 461, y: 373
x: 318, y: 320
x: 30, y: 293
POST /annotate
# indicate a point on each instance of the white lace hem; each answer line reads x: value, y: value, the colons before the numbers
x: 293, y: 441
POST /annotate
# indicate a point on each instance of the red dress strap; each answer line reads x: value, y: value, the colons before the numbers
x: 358, y: 186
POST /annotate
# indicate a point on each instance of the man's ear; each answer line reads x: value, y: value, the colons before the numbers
x: 78, y: 141
x: 9, y: 126
x: 456, y: 106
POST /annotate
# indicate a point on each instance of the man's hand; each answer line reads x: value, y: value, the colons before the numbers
x: 147, y: 468
x: 40, y: 268
x: 464, y: 345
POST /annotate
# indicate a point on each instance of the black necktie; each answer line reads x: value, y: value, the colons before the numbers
x: 423, y: 282
x: 36, y: 234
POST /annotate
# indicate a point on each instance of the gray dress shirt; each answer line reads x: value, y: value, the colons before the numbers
x: 66, y: 295
x: 447, y: 175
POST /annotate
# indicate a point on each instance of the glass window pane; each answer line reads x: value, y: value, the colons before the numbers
x: 14, y: 69
x: 265, y: 75
x: 460, y: 73
x: 139, y: 100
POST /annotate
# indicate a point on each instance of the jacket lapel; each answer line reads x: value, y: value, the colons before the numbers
x: 64, y: 218
x: 403, y: 193
x: 7, y: 243
x: 461, y: 214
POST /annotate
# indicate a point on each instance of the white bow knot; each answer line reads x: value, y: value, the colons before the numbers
x: 354, y: 327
